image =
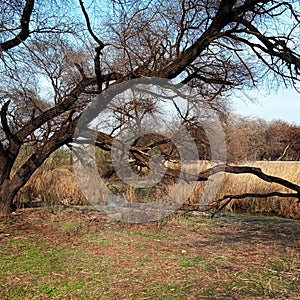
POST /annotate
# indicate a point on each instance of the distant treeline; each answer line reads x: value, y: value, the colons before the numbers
x: 249, y: 139
x: 257, y: 139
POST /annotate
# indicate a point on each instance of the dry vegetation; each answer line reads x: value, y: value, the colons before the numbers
x: 54, y: 183
x: 77, y: 253
x: 245, y: 183
x: 285, y: 207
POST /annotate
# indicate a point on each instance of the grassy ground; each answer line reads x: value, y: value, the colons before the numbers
x: 75, y: 254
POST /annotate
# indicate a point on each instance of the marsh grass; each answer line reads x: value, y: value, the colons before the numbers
x: 235, y: 184
x: 238, y: 184
x: 54, y: 183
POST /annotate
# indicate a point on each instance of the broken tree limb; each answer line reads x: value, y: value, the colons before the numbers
x: 260, y: 174
x: 218, y: 205
x: 229, y: 198
x: 203, y: 176
x: 24, y: 26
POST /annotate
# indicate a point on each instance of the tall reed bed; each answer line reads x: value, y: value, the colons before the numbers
x: 52, y: 184
x: 55, y: 183
x: 233, y: 184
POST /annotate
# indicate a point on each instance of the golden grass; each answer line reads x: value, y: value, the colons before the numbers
x: 55, y: 183
x: 233, y: 184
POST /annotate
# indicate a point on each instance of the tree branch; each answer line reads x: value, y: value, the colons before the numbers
x: 98, y: 49
x: 24, y: 33
x: 88, y: 24
x: 251, y: 170
x: 63, y: 136
x: 10, y: 136
x: 222, y: 18
x: 229, y: 198
x: 274, y: 46
x: 284, y: 152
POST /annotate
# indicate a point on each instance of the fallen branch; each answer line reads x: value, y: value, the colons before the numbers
x: 203, y: 176
x: 229, y: 198
x: 255, y: 171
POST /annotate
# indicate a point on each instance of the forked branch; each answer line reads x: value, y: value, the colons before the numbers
x: 98, y: 49
x: 219, y: 204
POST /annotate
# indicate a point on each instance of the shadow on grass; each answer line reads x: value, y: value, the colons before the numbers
x: 257, y: 229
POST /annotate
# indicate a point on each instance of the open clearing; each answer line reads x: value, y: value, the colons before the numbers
x: 77, y: 254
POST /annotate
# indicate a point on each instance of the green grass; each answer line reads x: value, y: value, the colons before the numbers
x: 36, y: 268
x: 154, y: 235
x: 27, y: 264
x: 190, y: 262
x: 210, y: 292
x: 167, y: 291
x: 32, y: 260
x: 67, y: 227
x: 263, y: 282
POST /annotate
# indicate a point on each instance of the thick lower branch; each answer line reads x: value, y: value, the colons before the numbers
x: 218, y: 205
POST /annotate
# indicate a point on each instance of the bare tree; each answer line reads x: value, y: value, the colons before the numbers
x: 214, y: 46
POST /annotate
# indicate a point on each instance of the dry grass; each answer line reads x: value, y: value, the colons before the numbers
x: 285, y: 207
x: 54, y: 183
x: 233, y: 184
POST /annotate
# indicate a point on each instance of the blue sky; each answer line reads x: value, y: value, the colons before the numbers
x: 284, y: 105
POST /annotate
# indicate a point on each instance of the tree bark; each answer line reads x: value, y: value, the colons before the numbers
x: 5, y: 206
x: 8, y: 191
